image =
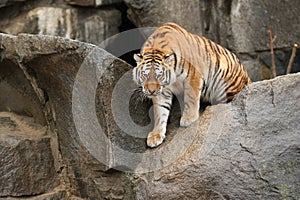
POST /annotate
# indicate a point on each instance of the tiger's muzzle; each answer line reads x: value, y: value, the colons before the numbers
x: 151, y: 88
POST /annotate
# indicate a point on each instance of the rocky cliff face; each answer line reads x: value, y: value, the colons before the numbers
x: 71, y: 128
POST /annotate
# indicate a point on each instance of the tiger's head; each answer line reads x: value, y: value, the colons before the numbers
x: 153, y: 72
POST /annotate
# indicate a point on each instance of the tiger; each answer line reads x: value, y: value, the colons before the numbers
x: 173, y: 61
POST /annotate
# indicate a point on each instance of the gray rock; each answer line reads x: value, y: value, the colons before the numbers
x: 254, y: 69
x: 89, y: 25
x: 215, y: 19
x: 281, y: 61
x: 4, y: 3
x: 92, y: 3
x: 52, y: 65
x: 248, y: 149
x: 26, y: 161
x: 155, y: 13
x: 56, y: 195
x: 250, y: 21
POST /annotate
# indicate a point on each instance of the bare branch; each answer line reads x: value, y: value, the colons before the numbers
x: 272, y: 40
x: 293, y: 55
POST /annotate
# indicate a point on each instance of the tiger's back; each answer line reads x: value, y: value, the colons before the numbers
x: 197, y: 57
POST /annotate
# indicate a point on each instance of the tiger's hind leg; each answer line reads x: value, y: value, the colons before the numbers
x: 192, y: 91
x: 162, y: 106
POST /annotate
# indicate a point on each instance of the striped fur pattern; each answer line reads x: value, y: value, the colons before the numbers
x: 174, y: 61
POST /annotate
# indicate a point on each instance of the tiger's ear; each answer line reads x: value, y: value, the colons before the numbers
x: 137, y: 57
x: 169, y: 58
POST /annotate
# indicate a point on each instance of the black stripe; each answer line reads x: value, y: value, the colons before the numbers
x: 210, y: 44
x: 226, y: 72
x: 167, y: 96
x: 230, y: 63
x: 235, y: 85
x: 169, y: 104
x: 204, y: 89
x: 217, y: 79
x: 210, y: 61
x: 163, y: 106
x: 218, y: 49
x: 163, y: 46
x: 233, y: 57
x: 217, y: 64
x: 227, y: 66
x: 178, y: 28
x: 163, y: 122
x: 181, y: 61
x: 190, y: 96
x: 182, y: 70
x: 233, y: 80
x: 186, y: 106
x: 206, y: 50
x: 175, y: 61
x: 188, y: 72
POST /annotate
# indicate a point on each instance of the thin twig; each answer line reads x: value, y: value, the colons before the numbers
x: 289, y: 68
x: 272, y: 40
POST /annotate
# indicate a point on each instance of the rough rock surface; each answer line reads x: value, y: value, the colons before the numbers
x: 250, y: 21
x: 50, y: 66
x: 240, y: 25
x: 89, y: 24
x: 154, y: 13
x: 248, y: 149
x: 92, y: 3
x: 26, y: 161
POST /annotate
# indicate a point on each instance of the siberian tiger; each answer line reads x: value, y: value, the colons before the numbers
x: 174, y: 61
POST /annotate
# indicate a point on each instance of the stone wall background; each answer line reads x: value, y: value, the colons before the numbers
x: 239, y: 25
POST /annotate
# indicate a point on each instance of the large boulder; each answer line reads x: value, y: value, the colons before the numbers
x: 46, y: 68
x: 248, y: 149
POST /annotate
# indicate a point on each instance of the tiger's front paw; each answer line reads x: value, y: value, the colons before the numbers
x: 155, y: 138
x: 187, y: 120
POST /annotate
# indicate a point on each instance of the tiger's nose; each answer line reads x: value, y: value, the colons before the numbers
x: 151, y: 91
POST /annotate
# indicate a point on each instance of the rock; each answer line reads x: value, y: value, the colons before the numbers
x: 89, y: 25
x: 26, y: 161
x: 92, y: 3
x: 49, y: 61
x: 254, y: 69
x: 215, y: 19
x: 247, y: 149
x: 4, y: 3
x: 250, y: 21
x: 155, y: 13
x: 56, y: 195
x: 281, y: 61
